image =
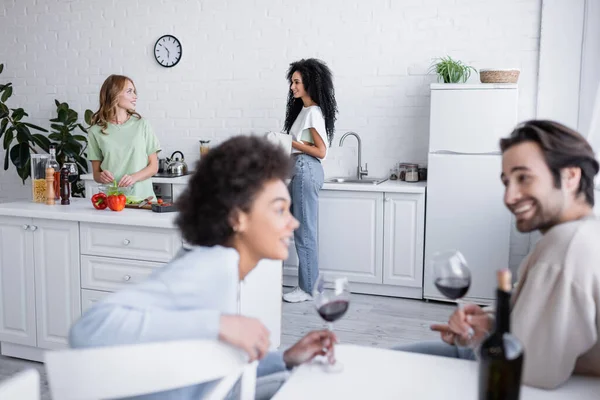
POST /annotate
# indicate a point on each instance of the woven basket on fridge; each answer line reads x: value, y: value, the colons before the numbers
x: 499, y: 75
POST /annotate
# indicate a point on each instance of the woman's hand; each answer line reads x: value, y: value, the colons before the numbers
x: 248, y: 334
x: 106, y: 177
x: 127, y: 180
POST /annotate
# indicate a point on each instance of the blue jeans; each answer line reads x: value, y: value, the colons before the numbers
x: 438, y: 348
x: 304, y: 190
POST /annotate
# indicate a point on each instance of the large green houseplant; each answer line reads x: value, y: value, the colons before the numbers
x: 19, y: 141
x: 449, y: 70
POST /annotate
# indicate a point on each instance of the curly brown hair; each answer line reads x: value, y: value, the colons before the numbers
x: 562, y: 147
x: 318, y: 83
x: 226, y: 179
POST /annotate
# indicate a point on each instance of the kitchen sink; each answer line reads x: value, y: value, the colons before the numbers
x: 365, y: 180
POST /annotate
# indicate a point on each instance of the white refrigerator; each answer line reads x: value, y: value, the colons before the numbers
x: 464, y: 208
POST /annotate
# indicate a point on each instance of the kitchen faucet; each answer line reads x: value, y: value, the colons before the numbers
x: 360, y: 172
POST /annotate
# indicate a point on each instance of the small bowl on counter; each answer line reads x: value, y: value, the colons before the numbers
x: 109, y: 188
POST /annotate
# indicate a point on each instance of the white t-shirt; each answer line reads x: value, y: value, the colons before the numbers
x: 309, y: 117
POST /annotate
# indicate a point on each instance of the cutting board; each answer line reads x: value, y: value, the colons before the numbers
x: 144, y: 207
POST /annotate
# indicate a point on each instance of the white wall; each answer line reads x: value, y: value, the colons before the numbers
x: 231, y: 78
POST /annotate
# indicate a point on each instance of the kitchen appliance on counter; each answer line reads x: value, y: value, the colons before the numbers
x: 172, y: 167
x: 464, y: 206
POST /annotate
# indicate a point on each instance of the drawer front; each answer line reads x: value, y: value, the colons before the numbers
x: 89, y: 297
x: 136, y: 243
x: 111, y: 274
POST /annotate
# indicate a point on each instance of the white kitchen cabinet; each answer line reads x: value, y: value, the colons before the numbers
x: 404, y: 231
x: 58, y: 301
x: 89, y: 297
x: 111, y: 274
x: 376, y: 239
x: 350, y: 235
x: 40, y: 281
x: 17, y: 283
x: 130, y: 242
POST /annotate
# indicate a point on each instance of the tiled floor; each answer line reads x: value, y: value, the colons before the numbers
x: 371, y: 321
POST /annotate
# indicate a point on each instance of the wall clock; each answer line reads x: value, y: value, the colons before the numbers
x: 167, y: 51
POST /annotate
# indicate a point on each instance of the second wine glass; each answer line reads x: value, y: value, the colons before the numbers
x: 452, y: 278
x: 331, y: 296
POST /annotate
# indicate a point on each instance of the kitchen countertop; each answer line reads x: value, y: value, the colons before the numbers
x: 387, y: 186
x: 180, y: 180
x: 82, y: 210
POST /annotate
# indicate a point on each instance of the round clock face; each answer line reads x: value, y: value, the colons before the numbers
x: 167, y: 51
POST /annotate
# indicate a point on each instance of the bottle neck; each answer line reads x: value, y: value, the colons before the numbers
x: 53, y: 153
x: 502, y: 311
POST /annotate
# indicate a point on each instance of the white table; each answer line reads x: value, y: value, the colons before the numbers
x: 371, y: 373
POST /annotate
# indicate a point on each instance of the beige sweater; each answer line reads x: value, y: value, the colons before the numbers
x: 556, y: 304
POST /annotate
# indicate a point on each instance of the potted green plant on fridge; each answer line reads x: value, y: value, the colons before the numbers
x: 449, y: 70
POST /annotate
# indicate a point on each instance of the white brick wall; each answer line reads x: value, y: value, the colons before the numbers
x: 231, y: 78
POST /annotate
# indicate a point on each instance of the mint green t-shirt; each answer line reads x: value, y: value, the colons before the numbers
x: 124, y: 149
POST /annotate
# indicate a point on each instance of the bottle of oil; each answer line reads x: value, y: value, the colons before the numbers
x: 52, y: 163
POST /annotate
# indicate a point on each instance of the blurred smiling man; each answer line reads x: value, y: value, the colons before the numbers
x: 548, y: 171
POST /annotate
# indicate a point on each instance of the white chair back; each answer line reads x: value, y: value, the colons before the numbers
x: 23, y: 386
x: 131, y: 370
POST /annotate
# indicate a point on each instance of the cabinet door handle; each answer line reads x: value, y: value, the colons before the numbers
x: 32, y: 227
x: 126, y: 242
x: 25, y: 226
x: 126, y: 278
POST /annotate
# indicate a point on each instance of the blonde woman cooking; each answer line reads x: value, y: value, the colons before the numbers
x: 122, y: 145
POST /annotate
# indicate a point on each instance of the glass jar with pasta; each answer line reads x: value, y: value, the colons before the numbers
x: 38, y: 177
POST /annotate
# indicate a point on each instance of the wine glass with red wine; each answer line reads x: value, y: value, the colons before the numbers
x: 452, y: 277
x: 331, y: 296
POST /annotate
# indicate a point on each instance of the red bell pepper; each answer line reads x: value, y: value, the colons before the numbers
x: 99, y: 201
x: 116, y: 202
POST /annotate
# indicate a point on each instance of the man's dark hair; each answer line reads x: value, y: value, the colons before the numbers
x: 227, y: 178
x: 562, y: 147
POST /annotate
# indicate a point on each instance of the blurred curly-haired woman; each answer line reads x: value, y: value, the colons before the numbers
x: 233, y: 213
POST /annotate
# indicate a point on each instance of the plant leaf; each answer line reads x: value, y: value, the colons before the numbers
x: 80, y: 138
x: 42, y: 141
x: 19, y: 155
x: 56, y: 102
x: 25, y: 172
x: 7, y: 93
x: 3, y: 126
x: 23, y: 134
x: 56, y: 127
x: 55, y: 136
x: 1, y: 68
x: 88, y: 117
x: 8, y: 137
x: 6, y: 158
x: 62, y: 115
x: 18, y: 113
x: 72, y: 116
x: 35, y: 127
x: 3, y: 111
